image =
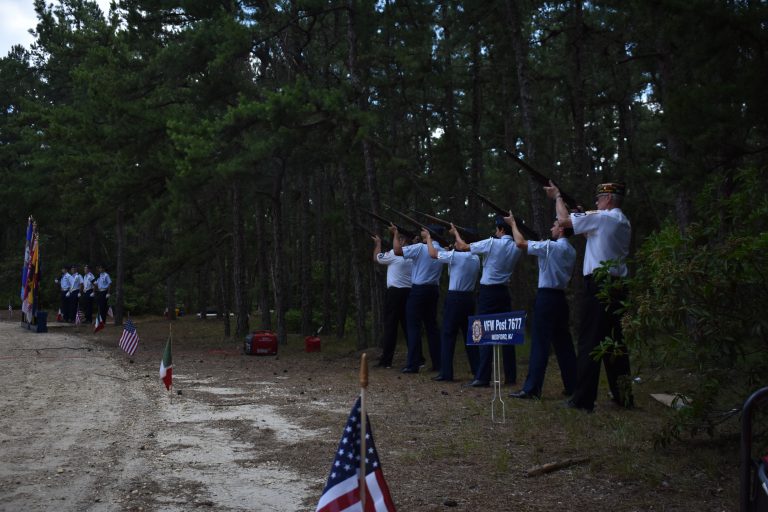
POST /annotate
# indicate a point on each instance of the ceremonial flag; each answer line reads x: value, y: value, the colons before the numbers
x: 166, y: 366
x: 99, y: 324
x: 32, y: 278
x: 130, y: 338
x: 27, y: 247
x: 109, y: 312
x: 342, y: 492
x: 79, y: 317
x: 59, y: 316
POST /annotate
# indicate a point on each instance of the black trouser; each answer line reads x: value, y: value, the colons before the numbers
x: 395, y: 300
x: 87, y: 301
x: 495, y: 299
x: 64, y: 307
x: 101, y: 302
x: 600, y: 320
x: 457, y: 309
x: 72, y: 303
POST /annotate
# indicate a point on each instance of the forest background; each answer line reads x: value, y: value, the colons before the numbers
x: 216, y: 154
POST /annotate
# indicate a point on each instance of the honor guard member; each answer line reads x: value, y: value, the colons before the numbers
x: 500, y: 255
x: 102, y: 292
x: 421, y: 307
x: 86, y: 298
x: 74, y: 293
x: 459, y: 305
x: 398, y: 287
x: 556, y: 258
x: 65, y: 283
x: 608, y: 233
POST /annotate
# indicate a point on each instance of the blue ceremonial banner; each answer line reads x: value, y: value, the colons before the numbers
x: 497, y: 329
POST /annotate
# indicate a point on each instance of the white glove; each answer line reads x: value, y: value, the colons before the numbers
x: 55, y: 280
x: 67, y: 294
x: 107, y: 296
x: 78, y: 295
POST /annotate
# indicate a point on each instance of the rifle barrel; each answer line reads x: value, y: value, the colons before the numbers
x: 529, y: 233
x: 541, y: 179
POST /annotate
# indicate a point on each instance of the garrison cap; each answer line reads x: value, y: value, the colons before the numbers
x: 619, y: 189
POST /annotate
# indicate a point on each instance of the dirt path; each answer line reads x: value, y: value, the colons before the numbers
x: 80, y: 431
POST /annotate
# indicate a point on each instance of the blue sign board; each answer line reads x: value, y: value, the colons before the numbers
x: 497, y: 329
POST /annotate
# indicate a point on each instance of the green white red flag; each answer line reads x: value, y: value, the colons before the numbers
x: 166, y: 366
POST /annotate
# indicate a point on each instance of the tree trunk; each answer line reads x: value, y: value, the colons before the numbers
x: 120, y: 267
x: 305, y: 261
x: 520, y: 53
x: 354, y: 263
x: 278, y: 281
x: 238, y: 263
x: 262, y: 268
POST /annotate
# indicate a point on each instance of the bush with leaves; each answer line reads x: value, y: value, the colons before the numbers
x: 699, y: 302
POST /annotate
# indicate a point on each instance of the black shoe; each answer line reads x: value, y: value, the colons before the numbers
x: 523, y: 394
x: 570, y: 404
x: 478, y: 384
x: 440, y: 378
x: 383, y: 365
x: 409, y: 370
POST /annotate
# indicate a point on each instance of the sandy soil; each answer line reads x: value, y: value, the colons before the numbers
x: 81, y: 431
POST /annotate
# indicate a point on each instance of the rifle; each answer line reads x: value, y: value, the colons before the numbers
x: 467, y: 234
x: 439, y: 239
x: 542, y: 180
x: 384, y: 243
x: 406, y: 233
x: 527, y: 232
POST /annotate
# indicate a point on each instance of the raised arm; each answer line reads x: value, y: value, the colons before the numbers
x: 459, y: 244
x: 376, y: 247
x: 397, y: 247
x: 520, y: 240
x: 563, y: 217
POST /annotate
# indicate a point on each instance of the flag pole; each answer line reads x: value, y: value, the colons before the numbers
x: 363, y: 417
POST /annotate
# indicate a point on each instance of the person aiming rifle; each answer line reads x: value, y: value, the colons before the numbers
x: 500, y: 255
x: 608, y: 233
x: 421, y: 307
x: 395, y: 298
x: 459, y: 304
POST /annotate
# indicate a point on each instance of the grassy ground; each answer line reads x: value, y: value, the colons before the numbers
x: 438, y: 445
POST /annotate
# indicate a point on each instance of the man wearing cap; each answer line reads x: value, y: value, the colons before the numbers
x: 459, y: 304
x: 65, y: 283
x: 421, y: 307
x: 102, y: 288
x: 74, y: 293
x: 398, y: 287
x: 500, y: 255
x: 556, y: 258
x: 608, y: 233
x: 87, y: 296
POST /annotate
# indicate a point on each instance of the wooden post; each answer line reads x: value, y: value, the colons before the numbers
x: 363, y: 426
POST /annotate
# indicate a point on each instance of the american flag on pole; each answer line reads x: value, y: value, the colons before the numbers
x: 130, y: 338
x: 342, y: 492
x: 79, y: 317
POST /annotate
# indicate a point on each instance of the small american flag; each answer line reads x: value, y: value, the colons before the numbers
x: 130, y: 338
x: 342, y: 491
x: 79, y: 317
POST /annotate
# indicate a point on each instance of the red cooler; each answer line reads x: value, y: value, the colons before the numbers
x: 312, y: 344
x: 261, y: 343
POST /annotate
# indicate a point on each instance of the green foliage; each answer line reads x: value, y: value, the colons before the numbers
x: 698, y: 303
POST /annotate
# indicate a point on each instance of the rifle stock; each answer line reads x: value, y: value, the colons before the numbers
x: 527, y: 232
x: 406, y: 233
x: 543, y: 180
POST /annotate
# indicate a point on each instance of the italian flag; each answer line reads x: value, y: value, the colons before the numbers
x: 166, y: 366
x: 99, y: 324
